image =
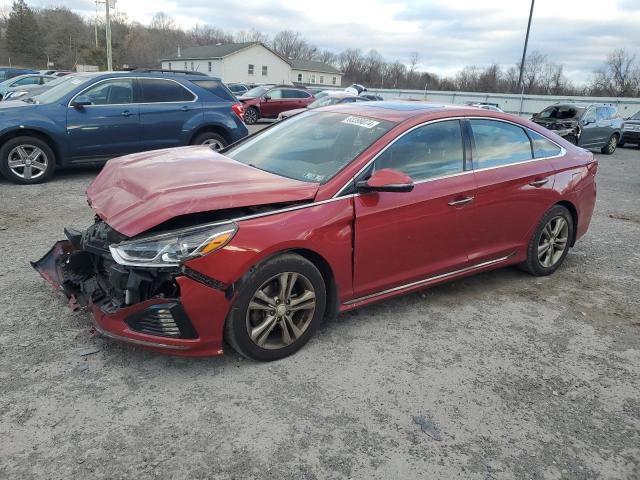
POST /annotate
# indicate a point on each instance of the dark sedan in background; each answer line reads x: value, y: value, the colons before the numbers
x: 631, y: 130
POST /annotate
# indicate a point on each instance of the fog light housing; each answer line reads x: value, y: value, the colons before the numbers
x: 163, y: 320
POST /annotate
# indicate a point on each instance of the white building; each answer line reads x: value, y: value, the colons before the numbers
x: 251, y: 63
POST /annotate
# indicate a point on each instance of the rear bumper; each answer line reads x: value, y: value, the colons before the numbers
x: 202, y: 311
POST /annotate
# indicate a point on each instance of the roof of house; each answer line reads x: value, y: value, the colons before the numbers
x: 222, y: 50
x: 313, y: 66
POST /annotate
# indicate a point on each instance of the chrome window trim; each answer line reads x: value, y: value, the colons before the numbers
x: 562, y: 151
x: 427, y: 280
x: 195, y: 95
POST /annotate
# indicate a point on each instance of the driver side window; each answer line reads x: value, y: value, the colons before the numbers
x: 111, y: 92
x: 590, y: 115
x: 430, y: 151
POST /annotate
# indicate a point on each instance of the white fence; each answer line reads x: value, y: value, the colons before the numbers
x: 525, y: 105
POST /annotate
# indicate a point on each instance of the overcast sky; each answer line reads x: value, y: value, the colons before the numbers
x: 447, y: 34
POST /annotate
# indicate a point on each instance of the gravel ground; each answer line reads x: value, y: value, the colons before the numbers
x: 497, y: 376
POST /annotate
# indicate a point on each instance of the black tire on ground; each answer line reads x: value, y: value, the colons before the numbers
x: 611, y: 145
x: 251, y: 116
x: 534, y: 263
x: 32, y: 160
x: 239, y: 320
x: 215, y: 140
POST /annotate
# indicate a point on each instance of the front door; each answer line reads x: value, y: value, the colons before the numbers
x: 106, y: 128
x: 405, y: 237
x: 168, y: 113
x: 274, y: 102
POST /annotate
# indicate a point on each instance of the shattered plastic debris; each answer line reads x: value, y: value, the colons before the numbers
x: 428, y: 427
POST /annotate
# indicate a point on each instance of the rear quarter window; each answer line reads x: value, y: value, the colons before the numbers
x: 543, y: 147
x: 216, y: 87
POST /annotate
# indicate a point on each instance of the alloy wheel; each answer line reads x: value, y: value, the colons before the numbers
x: 281, y: 310
x: 214, y: 144
x: 553, y: 241
x: 28, y: 161
x: 613, y: 143
x: 251, y: 116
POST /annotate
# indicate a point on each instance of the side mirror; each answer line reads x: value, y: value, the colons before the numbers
x: 386, y: 180
x: 587, y: 121
x: 267, y: 97
x: 81, y: 101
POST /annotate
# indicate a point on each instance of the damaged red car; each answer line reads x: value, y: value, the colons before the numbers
x: 321, y: 213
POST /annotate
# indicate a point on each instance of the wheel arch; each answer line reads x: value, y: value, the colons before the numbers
x: 33, y: 132
x: 574, y: 215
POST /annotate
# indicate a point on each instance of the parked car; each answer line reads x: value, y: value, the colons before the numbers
x: 588, y: 125
x: 10, y: 72
x: 494, y: 107
x: 238, y: 88
x: 20, y: 92
x: 331, y: 210
x: 23, y: 80
x: 631, y: 130
x: 269, y: 102
x: 97, y: 116
x: 332, y: 98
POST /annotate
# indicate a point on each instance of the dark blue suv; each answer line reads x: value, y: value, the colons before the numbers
x: 92, y: 117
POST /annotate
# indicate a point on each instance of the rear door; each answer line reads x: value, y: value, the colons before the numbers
x: 109, y: 126
x: 514, y: 189
x: 167, y: 111
x: 406, y: 237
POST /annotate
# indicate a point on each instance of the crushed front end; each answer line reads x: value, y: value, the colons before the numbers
x: 169, y: 309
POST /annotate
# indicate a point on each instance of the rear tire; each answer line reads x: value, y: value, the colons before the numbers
x: 550, y: 242
x: 611, y: 145
x: 27, y: 160
x: 278, y: 308
x: 214, y: 140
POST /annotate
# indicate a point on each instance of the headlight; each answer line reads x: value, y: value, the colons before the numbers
x: 171, y: 249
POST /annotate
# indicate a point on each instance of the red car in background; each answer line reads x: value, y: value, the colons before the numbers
x: 270, y: 101
x: 328, y: 211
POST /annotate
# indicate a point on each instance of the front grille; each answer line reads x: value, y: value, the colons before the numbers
x: 163, y: 320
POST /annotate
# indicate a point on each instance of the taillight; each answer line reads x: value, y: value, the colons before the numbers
x: 238, y: 109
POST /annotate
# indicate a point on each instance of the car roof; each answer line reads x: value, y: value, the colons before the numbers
x: 399, y: 111
x: 151, y: 74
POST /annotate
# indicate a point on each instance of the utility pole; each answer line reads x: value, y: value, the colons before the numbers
x: 95, y: 23
x: 108, y: 30
x: 526, y: 41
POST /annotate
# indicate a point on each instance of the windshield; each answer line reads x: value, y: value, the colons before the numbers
x: 636, y: 116
x: 61, y: 88
x: 561, y: 112
x: 312, y: 146
x: 255, y: 92
x: 324, y: 101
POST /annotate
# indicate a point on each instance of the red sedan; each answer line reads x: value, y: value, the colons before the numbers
x: 324, y: 212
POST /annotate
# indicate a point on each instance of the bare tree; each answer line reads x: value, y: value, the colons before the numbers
x: 620, y: 76
x: 252, y: 35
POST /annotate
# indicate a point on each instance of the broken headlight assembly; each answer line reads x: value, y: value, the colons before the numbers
x: 173, y: 248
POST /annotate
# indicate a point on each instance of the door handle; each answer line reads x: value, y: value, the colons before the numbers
x: 462, y: 201
x: 184, y: 108
x: 126, y: 113
x: 539, y: 183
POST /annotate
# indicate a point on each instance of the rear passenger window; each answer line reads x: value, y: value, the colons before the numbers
x: 160, y: 91
x: 431, y: 151
x: 295, y: 94
x: 543, y: 147
x: 499, y: 143
x: 219, y: 89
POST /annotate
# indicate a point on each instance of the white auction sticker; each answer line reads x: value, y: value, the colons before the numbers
x: 360, y: 122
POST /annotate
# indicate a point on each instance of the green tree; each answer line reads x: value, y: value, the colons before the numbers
x: 24, y: 41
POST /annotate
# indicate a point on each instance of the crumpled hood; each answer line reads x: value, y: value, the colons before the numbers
x: 137, y: 192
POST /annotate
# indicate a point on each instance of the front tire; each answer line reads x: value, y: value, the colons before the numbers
x: 550, y: 242
x: 611, y: 145
x: 278, y: 308
x: 27, y: 160
x: 251, y: 116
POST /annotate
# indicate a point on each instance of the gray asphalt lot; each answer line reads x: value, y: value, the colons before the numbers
x: 497, y: 376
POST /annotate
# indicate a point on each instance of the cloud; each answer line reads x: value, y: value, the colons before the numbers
x: 447, y: 35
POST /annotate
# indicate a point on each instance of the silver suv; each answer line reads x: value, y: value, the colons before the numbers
x: 588, y: 125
